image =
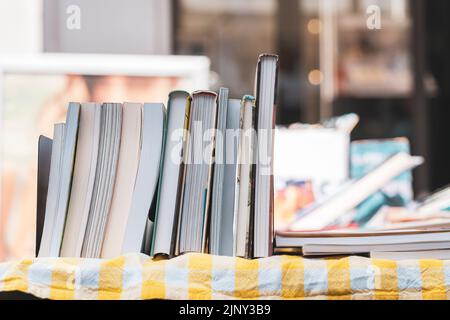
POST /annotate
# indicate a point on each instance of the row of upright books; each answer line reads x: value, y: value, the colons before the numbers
x: 195, y: 177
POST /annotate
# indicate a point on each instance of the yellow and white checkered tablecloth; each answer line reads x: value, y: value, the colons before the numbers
x: 201, y: 276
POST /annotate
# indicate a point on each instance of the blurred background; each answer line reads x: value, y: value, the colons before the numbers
x: 385, y: 60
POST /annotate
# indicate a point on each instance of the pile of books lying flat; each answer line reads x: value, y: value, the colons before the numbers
x: 335, y: 196
x: 421, y: 230
x: 195, y: 177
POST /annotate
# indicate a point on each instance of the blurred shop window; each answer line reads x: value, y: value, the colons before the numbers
x: 367, y: 71
x: 231, y: 33
x: 108, y: 26
x: 374, y: 62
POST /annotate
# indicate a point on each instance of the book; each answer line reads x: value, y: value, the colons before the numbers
x: 145, y: 187
x: 171, y: 175
x: 109, y: 143
x: 197, y: 180
x: 331, y: 249
x: 443, y: 254
x: 120, y: 212
x: 83, y: 180
x: 265, y: 94
x: 222, y: 220
x: 54, y: 182
x: 367, y: 155
x: 43, y: 173
x: 219, y: 168
x: 323, y: 214
x: 60, y: 183
x: 244, y: 205
x: 357, y: 241
x: 67, y: 164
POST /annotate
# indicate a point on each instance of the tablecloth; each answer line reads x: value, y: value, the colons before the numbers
x: 202, y: 276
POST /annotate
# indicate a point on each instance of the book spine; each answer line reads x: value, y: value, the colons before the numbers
x: 218, y: 174
x: 257, y: 89
x: 268, y: 247
x: 272, y: 191
x: 251, y: 185
x: 208, y: 193
x: 175, y: 245
x: 238, y: 179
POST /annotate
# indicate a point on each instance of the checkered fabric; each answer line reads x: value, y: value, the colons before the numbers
x: 201, y: 276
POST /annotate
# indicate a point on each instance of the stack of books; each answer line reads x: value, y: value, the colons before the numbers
x: 336, y: 197
x: 421, y: 230
x: 195, y: 177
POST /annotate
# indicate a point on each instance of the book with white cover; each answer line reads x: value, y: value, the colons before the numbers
x: 243, y: 199
x: 169, y: 195
x: 67, y: 164
x: 412, y: 255
x: 265, y: 94
x: 219, y: 167
x: 83, y: 180
x: 127, y: 168
x: 110, y: 134
x: 230, y: 178
x: 347, y: 198
x: 347, y: 242
x: 147, y: 177
x: 65, y: 180
x: 221, y: 229
x: 332, y: 249
x: 197, y: 179
x: 53, y: 187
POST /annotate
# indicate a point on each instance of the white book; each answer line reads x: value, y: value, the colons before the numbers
x: 83, y: 180
x: 147, y: 177
x: 331, y: 249
x: 225, y: 220
x: 53, y: 187
x: 412, y: 255
x: 197, y: 188
x: 243, y: 198
x: 127, y: 168
x: 219, y: 167
x: 332, y: 239
x: 165, y: 224
x: 230, y: 177
x: 347, y: 198
x: 265, y: 94
x: 60, y: 205
x: 67, y: 164
x: 111, y: 122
